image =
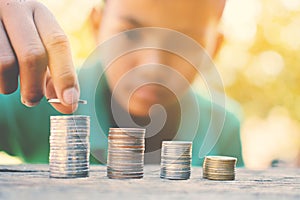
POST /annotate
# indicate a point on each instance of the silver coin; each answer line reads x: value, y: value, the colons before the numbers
x: 127, y: 151
x: 133, y: 145
x: 125, y: 158
x: 75, y: 141
x: 129, y: 136
x: 68, y: 169
x: 69, y: 157
x: 121, y: 147
x: 129, y: 157
x: 125, y: 136
x: 124, y: 177
x: 124, y: 165
x: 66, y: 151
x: 124, y: 172
x: 69, y: 142
x: 176, y: 157
x: 139, y: 130
x: 70, y: 172
x: 132, y: 166
x: 67, y: 160
x: 68, y: 116
x: 140, y: 142
x: 70, y: 120
x: 127, y: 170
x: 69, y: 148
x: 166, y: 163
x: 175, y: 178
x: 176, y: 151
x: 70, y: 139
x: 120, y: 161
x: 54, y: 176
x: 177, y: 143
x: 175, y: 171
x: 176, y: 174
x: 64, y: 176
x: 68, y: 135
x: 66, y: 130
x: 176, y: 160
x: 71, y: 123
x: 68, y: 166
x: 70, y: 162
x: 76, y: 145
x: 57, y: 149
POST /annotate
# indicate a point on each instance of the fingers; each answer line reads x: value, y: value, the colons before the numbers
x: 51, y: 94
x: 59, y: 56
x: 29, y: 49
x: 31, y: 39
x: 8, y: 65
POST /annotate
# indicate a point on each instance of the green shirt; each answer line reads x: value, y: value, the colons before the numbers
x: 24, y: 132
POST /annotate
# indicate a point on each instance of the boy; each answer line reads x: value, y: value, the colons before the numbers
x: 33, y: 40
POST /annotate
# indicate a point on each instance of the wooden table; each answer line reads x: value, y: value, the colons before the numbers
x: 33, y: 182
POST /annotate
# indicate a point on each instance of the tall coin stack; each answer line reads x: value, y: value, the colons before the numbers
x: 125, y: 159
x: 176, y: 157
x: 69, y: 146
x: 220, y: 168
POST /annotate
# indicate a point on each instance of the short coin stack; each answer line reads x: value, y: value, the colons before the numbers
x: 126, y: 148
x: 219, y: 168
x: 69, y: 146
x: 176, y: 160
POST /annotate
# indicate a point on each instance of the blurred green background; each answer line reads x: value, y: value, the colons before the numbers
x: 259, y: 63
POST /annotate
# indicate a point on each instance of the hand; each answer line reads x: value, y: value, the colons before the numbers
x: 33, y: 45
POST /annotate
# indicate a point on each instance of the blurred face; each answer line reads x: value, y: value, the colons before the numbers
x: 143, y: 78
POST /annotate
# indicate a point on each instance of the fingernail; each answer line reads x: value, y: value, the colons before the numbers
x: 71, y: 96
x: 29, y: 104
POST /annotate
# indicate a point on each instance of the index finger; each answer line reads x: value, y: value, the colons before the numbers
x: 59, y: 54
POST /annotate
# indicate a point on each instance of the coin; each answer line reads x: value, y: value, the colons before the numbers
x: 69, y: 146
x: 58, y: 101
x: 125, y: 158
x: 176, y: 160
x: 221, y: 168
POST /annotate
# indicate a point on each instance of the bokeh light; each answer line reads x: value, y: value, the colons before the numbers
x: 261, y: 71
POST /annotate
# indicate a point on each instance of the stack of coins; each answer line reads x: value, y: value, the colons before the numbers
x: 219, y: 168
x: 176, y: 157
x: 69, y: 146
x: 125, y: 159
